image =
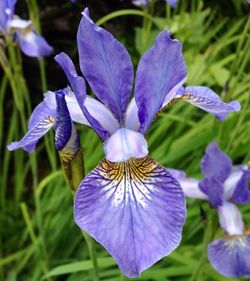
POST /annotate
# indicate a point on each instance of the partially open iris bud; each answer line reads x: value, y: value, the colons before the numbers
x: 67, y: 143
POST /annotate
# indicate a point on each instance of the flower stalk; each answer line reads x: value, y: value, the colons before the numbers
x: 73, y: 167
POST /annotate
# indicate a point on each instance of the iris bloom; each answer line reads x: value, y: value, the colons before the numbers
x: 129, y: 203
x: 224, y: 186
x: 53, y: 113
x: 172, y: 3
x: 31, y: 43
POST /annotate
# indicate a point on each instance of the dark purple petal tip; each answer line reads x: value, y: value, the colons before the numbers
x: 230, y: 256
x: 135, y: 209
x: 63, y: 125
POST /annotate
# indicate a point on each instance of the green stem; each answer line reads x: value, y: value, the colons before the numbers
x: 73, y: 167
x: 121, y: 13
x: 208, y: 236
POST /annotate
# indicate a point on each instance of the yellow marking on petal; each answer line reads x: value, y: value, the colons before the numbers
x: 136, y: 169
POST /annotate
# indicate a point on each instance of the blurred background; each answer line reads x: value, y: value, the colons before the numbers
x: 38, y: 237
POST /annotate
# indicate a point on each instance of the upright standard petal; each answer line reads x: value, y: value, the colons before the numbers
x: 32, y: 44
x: 241, y: 193
x: 161, y: 71
x: 78, y: 86
x: 231, y: 255
x: 135, y: 209
x: 106, y: 65
x: 230, y: 219
x: 216, y: 164
x: 206, y: 99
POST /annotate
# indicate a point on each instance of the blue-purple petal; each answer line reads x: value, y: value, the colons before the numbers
x: 215, y: 163
x: 29, y: 141
x: 241, y: 193
x: 79, y: 88
x: 106, y: 65
x: 230, y: 256
x: 63, y: 125
x: 206, y: 99
x: 172, y: 3
x: 161, y: 71
x: 214, y: 189
x: 135, y: 209
x: 32, y: 44
x: 6, y: 13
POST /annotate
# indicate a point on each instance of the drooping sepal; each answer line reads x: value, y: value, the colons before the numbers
x: 135, y: 209
x: 209, y: 101
x: 32, y: 44
x: 230, y: 256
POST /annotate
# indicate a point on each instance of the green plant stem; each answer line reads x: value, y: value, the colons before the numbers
x: 73, y: 167
x: 126, y: 12
x: 208, y: 236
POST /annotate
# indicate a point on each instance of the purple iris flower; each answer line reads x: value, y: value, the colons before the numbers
x: 54, y: 113
x: 31, y: 43
x: 224, y: 186
x: 129, y: 203
x: 144, y: 3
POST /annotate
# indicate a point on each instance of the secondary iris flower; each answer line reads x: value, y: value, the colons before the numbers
x: 31, y: 43
x: 172, y: 3
x: 129, y: 203
x: 224, y: 185
x: 53, y: 113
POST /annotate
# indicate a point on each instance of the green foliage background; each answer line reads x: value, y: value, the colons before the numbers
x: 38, y: 237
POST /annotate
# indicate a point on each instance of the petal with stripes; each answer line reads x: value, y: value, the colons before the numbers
x: 231, y: 255
x: 29, y: 141
x: 135, y: 209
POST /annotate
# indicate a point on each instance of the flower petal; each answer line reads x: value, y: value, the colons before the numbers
x: 40, y: 112
x: 18, y: 23
x: 140, y: 2
x: 131, y: 118
x: 230, y: 219
x: 241, y: 193
x: 231, y: 256
x: 29, y: 141
x: 6, y: 13
x: 189, y: 186
x: 32, y: 44
x: 109, y: 72
x: 216, y: 164
x: 161, y: 71
x: 214, y: 189
x: 124, y: 144
x: 172, y: 3
x: 135, y: 209
x: 206, y: 99
x: 63, y: 125
x: 78, y: 86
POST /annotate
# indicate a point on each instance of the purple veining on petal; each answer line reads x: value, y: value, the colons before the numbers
x: 63, y: 124
x: 161, y: 71
x: 109, y: 71
x: 206, y: 99
x: 135, y: 209
x: 231, y: 256
x: 78, y: 86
